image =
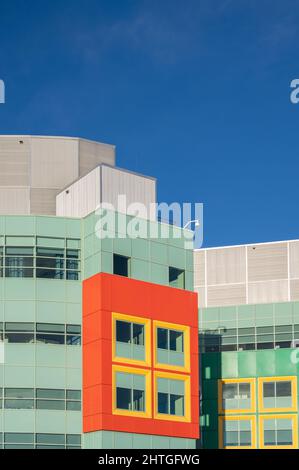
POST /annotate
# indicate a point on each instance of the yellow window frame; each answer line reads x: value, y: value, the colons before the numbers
x: 249, y: 380
x: 223, y: 419
x: 262, y: 380
x: 187, y: 352
x: 187, y: 397
x: 148, y: 396
x: 292, y: 417
x: 147, y: 339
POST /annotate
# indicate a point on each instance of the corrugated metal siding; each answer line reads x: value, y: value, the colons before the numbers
x: 14, y: 201
x: 267, y: 262
x: 92, y: 154
x: 14, y: 161
x: 138, y: 189
x: 269, y: 272
x: 82, y: 197
x: 54, y: 162
x: 226, y: 295
x: 226, y: 266
x: 43, y: 201
x: 267, y: 291
x: 294, y: 259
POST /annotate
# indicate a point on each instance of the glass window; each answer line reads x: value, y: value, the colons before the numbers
x: 278, y: 432
x: 46, y: 393
x: 236, y: 396
x: 17, y: 438
x: 50, y: 333
x: 170, y: 344
x: 171, y: 396
x: 73, y: 335
x: 121, y: 265
x: 73, y: 394
x: 19, y: 332
x: 50, y: 439
x: 130, y: 340
x: 237, y: 433
x: 277, y: 394
x: 50, y: 404
x: 177, y: 278
x: 130, y: 391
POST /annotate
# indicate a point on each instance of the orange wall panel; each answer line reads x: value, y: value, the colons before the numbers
x: 104, y: 294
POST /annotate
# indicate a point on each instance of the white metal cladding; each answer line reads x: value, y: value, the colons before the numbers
x: 247, y: 274
x: 82, y: 197
x: 45, y: 165
x: 104, y: 184
x: 136, y: 188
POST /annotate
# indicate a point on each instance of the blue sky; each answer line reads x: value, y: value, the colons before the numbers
x: 194, y: 92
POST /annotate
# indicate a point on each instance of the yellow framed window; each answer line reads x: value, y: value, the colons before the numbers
x: 131, y: 391
x: 236, y: 396
x: 131, y: 339
x: 237, y: 432
x: 277, y: 394
x: 172, y: 396
x: 171, y: 346
x: 278, y: 431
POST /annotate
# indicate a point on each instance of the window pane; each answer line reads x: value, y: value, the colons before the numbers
x: 73, y: 439
x: 20, y: 251
x: 19, y: 326
x: 283, y: 389
x: 162, y: 336
x: 163, y: 406
x: 49, y: 274
x: 54, y: 263
x: 123, y: 331
x: 269, y: 438
x: 269, y: 389
x: 18, y: 404
x: 73, y: 329
x: 123, y: 398
x: 72, y: 254
x: 73, y: 405
x: 19, y: 338
x: 73, y: 340
x: 50, y: 438
x: 177, y: 405
x: 72, y: 275
x: 15, y: 438
x: 19, y: 392
x: 50, y: 252
x: 50, y: 338
x: 50, y: 393
x: 18, y: 272
x: 245, y: 438
x: 176, y: 278
x: 176, y: 340
x: 120, y: 265
x: 50, y: 327
x: 138, y: 400
x: 50, y: 404
x: 138, y: 334
x: 73, y: 394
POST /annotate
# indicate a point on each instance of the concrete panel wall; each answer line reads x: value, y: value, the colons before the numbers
x: 248, y: 274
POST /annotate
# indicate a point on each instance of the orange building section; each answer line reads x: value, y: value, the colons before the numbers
x: 106, y: 295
